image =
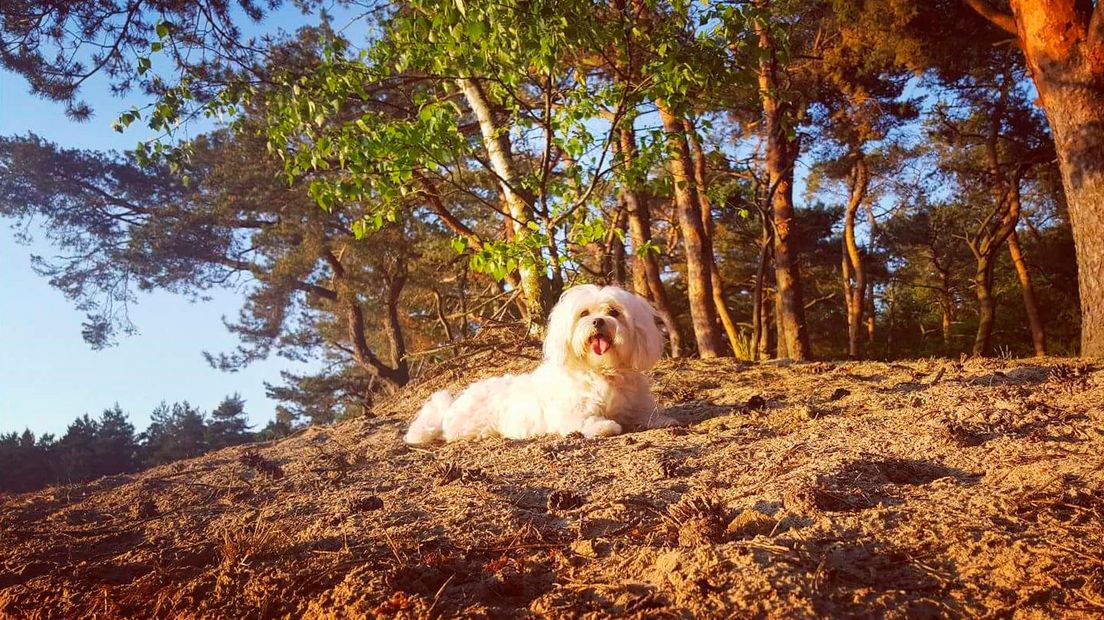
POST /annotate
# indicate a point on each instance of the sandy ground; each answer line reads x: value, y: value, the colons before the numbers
x: 922, y: 489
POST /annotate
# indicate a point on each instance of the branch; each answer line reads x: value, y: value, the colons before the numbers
x: 1001, y: 20
x: 813, y: 302
x: 436, y: 205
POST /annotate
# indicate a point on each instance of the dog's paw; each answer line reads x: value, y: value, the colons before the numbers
x: 600, y: 427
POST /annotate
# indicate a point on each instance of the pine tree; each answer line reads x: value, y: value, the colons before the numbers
x: 116, y: 447
x: 77, y: 449
x: 229, y: 425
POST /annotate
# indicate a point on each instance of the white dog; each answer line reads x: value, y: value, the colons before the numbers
x: 598, y: 342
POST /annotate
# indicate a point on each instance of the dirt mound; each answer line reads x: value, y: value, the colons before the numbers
x: 928, y: 488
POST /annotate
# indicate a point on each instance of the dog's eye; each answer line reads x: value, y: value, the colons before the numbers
x: 613, y: 313
x: 584, y: 313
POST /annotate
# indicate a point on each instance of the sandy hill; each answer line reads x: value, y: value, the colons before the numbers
x: 927, y: 488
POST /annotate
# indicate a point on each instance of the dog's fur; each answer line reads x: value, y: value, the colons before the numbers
x: 598, y: 342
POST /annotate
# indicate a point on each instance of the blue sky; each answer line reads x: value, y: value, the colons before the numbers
x: 48, y: 374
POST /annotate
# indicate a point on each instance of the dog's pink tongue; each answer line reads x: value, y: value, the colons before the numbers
x: 599, y: 344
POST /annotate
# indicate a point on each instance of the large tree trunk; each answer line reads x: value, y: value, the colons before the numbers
x: 782, y: 151
x: 854, y: 273
x: 1078, y: 128
x: 646, y: 264
x: 1063, y: 42
x: 1031, y: 306
x: 698, y: 153
x: 698, y: 245
x: 533, y: 280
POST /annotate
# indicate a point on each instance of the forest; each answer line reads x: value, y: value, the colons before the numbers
x: 94, y: 447
x: 862, y: 179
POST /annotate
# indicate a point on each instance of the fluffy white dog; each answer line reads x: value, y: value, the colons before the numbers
x: 598, y: 342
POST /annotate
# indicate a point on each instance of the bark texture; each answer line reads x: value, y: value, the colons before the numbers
x: 698, y: 245
x: 782, y: 151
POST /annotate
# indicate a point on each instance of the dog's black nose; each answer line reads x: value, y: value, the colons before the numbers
x: 598, y: 322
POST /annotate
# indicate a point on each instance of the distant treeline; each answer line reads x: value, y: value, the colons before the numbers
x: 91, y: 448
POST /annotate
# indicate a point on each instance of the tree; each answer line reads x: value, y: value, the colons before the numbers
x: 858, y: 112
x: 781, y: 109
x: 996, y: 143
x: 1063, y: 43
x: 277, y: 428
x: 228, y: 425
x: 382, y: 206
x: 176, y: 432
x: 58, y: 47
x: 26, y: 462
x: 77, y: 450
x: 933, y: 262
x: 116, y: 447
x: 699, y: 247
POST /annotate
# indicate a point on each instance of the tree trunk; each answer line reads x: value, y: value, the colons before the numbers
x: 1063, y: 42
x: 620, y: 267
x: 393, y: 328
x: 782, y: 152
x: 854, y: 274
x: 639, y: 271
x: 758, y: 298
x: 945, y: 325
x: 946, y: 297
x: 533, y: 280
x: 698, y: 245
x: 764, y: 331
x: 891, y: 317
x: 1031, y: 306
x: 871, y: 315
x: 698, y: 156
x: 780, y: 340
x: 947, y: 307
x: 640, y: 232
x: 983, y: 282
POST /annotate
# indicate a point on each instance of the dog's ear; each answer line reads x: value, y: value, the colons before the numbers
x: 647, y: 345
